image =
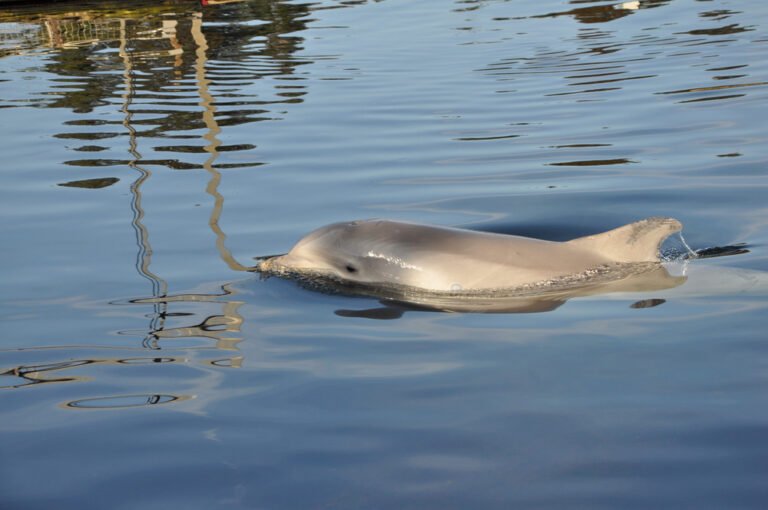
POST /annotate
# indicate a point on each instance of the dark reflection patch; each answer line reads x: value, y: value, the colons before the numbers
x: 101, y: 182
x: 722, y: 251
x: 648, y: 303
x: 91, y: 148
x: 199, y: 149
x: 595, y: 162
x: 118, y: 402
x: 145, y: 361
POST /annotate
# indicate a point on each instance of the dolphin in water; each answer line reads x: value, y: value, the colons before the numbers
x: 465, y: 270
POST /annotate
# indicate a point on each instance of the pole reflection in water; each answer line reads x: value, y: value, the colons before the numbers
x: 216, y: 327
x: 144, y: 255
x: 209, y: 118
x: 183, y: 324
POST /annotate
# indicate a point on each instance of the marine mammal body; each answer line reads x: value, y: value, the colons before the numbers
x: 434, y: 259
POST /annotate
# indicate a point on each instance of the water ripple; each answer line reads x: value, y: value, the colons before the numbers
x: 153, y: 147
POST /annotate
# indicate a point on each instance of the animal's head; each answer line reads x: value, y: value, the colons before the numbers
x: 352, y: 251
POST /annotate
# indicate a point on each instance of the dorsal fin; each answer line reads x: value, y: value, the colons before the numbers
x: 636, y: 242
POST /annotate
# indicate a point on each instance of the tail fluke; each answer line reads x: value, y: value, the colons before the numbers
x: 636, y: 242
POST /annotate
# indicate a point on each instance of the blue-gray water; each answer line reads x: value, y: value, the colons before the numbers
x: 151, y: 150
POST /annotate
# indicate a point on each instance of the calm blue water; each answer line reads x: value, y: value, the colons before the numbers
x: 152, y: 149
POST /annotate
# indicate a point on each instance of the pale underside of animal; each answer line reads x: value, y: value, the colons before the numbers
x: 409, y: 257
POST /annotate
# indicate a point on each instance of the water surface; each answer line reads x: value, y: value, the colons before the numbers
x: 153, y: 149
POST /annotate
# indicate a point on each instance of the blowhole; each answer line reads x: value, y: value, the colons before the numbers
x: 351, y: 269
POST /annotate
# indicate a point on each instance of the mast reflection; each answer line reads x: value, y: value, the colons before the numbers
x: 144, y: 80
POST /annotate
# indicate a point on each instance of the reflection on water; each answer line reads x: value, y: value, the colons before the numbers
x: 138, y: 79
x: 605, y: 13
x: 36, y: 374
x: 212, y: 341
x: 123, y: 401
x: 151, y: 148
x: 590, y: 78
x: 152, y: 62
x: 91, y: 183
x: 544, y: 296
x: 216, y: 327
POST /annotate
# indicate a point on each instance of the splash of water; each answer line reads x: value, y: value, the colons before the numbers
x: 691, y: 254
x: 682, y: 253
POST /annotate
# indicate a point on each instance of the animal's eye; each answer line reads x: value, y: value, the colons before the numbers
x: 351, y: 269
